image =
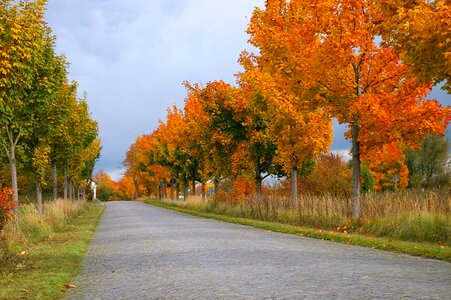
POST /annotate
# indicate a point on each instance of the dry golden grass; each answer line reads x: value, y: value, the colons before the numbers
x: 32, y: 226
x: 406, y: 215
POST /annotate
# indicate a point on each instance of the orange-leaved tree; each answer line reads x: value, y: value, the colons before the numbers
x: 301, y: 129
x: 222, y: 133
x: 334, y: 51
x: 136, y: 163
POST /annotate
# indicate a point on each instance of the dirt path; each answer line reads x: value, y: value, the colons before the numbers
x: 144, y: 252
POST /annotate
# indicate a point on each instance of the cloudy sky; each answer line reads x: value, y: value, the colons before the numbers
x: 131, y: 57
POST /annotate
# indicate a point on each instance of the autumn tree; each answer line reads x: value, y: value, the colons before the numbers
x: 22, y: 32
x: 85, y: 146
x: 51, y: 76
x: 59, y: 136
x: 136, y: 163
x: 333, y: 46
x: 167, y: 156
x: 107, y: 188
x: 301, y: 129
x: 222, y: 130
x: 194, y: 144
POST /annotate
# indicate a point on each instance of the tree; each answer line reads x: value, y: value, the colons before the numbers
x: 51, y: 76
x: 22, y: 32
x: 107, y: 189
x: 222, y: 133
x: 429, y: 166
x: 168, y: 157
x: 85, y: 145
x: 259, y: 143
x: 64, y: 117
x: 136, y: 161
x: 301, y: 129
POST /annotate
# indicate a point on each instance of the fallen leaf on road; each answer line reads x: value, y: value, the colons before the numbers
x: 69, y: 286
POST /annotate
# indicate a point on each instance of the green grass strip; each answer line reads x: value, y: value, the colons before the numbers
x: 47, y: 268
x: 386, y: 244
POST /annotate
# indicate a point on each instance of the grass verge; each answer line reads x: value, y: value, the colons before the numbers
x: 45, y: 270
x: 418, y: 249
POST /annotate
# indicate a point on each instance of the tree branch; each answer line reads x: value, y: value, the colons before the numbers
x: 18, y: 136
x: 266, y: 176
x: 10, y: 137
x: 6, y: 149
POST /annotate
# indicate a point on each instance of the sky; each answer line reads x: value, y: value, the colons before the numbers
x: 131, y: 58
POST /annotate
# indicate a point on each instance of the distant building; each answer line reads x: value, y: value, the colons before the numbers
x: 94, y: 190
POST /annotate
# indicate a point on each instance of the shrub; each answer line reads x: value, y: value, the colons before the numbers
x: 7, y: 205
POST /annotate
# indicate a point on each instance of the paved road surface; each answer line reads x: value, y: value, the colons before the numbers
x: 144, y: 252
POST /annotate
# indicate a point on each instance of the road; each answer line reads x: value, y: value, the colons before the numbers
x: 145, y: 252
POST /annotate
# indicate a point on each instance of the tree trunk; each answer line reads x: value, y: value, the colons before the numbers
x: 135, y: 183
x: 216, y: 182
x: 193, y: 185
x: 83, y: 192
x: 78, y: 193
x: 185, y: 190
x: 65, y: 182
x: 203, y: 191
x: 13, y: 170
x: 258, y: 187
x: 165, y: 190
x: 356, y: 151
x: 71, y: 190
x: 355, y: 171
x: 294, y: 186
x: 172, y: 190
x: 55, y: 182
x: 258, y: 180
x: 39, y: 196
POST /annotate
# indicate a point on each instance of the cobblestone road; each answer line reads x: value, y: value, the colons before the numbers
x: 144, y: 252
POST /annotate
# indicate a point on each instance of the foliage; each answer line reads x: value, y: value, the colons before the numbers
x: 106, y: 187
x: 429, y: 166
x: 421, y: 30
x: 331, y: 175
x: 6, y: 206
x: 367, y: 180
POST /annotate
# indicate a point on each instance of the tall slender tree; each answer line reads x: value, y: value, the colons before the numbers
x: 23, y: 33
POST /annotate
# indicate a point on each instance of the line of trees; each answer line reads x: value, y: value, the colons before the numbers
x: 44, y: 127
x: 369, y: 64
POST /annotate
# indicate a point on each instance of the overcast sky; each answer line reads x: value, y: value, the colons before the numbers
x: 131, y: 57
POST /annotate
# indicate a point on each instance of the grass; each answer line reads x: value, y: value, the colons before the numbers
x: 423, y: 249
x: 47, y: 255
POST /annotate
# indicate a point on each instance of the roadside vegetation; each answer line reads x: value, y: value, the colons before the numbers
x: 408, y: 228
x: 40, y: 253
